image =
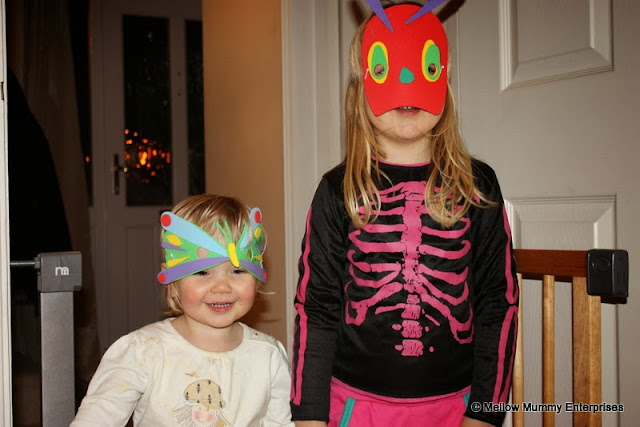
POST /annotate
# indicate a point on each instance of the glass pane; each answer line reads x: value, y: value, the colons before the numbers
x: 147, y: 110
x: 195, y: 110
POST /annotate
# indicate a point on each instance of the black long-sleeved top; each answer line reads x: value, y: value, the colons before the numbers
x: 403, y: 307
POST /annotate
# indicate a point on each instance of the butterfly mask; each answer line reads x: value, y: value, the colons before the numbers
x: 189, y: 249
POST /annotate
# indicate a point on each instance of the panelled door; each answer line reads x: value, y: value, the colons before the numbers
x: 146, y: 76
x: 543, y: 89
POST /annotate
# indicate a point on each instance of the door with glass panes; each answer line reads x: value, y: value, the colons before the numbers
x: 148, y: 148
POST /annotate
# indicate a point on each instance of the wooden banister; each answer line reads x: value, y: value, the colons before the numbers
x: 548, y: 350
x: 587, y: 363
x: 532, y: 262
x: 551, y: 266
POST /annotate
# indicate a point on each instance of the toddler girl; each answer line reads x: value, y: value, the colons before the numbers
x: 201, y: 366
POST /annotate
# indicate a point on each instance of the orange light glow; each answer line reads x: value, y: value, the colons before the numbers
x: 145, y: 158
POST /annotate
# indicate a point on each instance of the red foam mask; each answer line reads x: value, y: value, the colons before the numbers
x: 406, y: 66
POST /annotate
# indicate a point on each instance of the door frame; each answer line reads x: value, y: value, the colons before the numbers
x: 312, y: 111
x: 6, y: 413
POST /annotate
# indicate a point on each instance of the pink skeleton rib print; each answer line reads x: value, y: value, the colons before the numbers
x: 409, y: 275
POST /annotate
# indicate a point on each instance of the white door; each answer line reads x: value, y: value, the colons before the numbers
x: 543, y: 102
x: 142, y: 63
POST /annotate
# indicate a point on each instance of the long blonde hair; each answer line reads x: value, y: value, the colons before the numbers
x: 205, y: 211
x: 450, y: 189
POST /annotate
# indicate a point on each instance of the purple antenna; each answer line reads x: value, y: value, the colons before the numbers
x: 423, y: 10
x: 377, y: 8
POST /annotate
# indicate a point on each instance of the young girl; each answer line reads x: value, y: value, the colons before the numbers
x: 201, y: 367
x: 407, y: 298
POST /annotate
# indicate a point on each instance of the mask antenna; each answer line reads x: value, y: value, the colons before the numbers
x: 423, y: 10
x: 377, y: 8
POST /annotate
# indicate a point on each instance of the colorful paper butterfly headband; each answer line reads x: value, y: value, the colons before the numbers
x: 189, y: 249
x: 404, y: 58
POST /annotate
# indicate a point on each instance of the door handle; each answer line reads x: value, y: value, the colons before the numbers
x: 116, y: 168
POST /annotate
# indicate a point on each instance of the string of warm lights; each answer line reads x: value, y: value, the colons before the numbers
x: 143, y: 157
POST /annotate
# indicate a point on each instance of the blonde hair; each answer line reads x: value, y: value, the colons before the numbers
x: 206, y: 211
x: 450, y: 189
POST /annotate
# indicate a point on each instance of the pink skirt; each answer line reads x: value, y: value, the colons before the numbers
x: 351, y: 407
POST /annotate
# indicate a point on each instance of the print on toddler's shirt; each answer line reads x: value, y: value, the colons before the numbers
x: 202, y: 406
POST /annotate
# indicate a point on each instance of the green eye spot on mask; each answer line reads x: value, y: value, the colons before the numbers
x: 431, y: 66
x: 378, y: 62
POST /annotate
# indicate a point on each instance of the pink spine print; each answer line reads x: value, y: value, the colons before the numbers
x: 406, y: 200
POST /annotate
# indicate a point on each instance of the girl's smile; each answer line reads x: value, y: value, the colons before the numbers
x: 220, y: 307
x: 213, y: 301
x: 408, y: 111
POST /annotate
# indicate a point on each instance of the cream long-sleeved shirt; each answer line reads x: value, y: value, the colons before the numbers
x: 163, y: 380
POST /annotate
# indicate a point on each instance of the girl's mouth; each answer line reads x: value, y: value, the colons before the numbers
x: 220, y: 306
x: 407, y: 110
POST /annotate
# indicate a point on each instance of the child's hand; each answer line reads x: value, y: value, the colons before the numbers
x: 470, y: 422
x: 311, y: 424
